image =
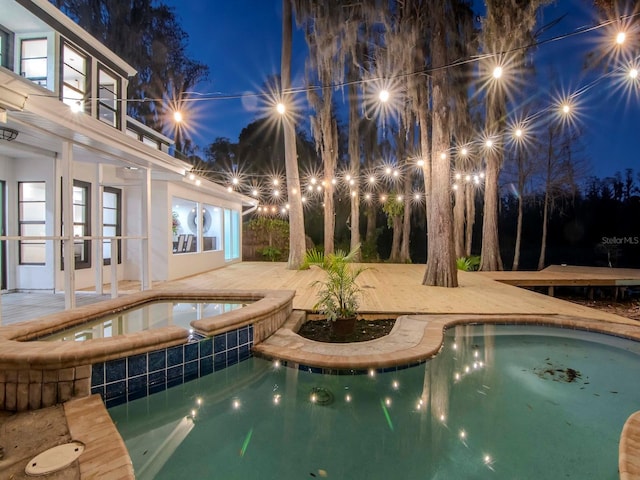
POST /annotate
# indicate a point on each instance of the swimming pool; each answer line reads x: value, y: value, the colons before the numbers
x: 145, y: 317
x: 498, y: 402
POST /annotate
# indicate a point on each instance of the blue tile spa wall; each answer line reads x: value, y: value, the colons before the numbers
x: 124, y: 379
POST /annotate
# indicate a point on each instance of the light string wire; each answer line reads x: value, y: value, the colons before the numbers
x: 215, y: 96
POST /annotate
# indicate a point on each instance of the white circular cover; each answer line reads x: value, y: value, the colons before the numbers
x: 54, y: 459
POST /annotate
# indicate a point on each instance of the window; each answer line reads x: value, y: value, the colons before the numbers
x: 33, y: 60
x: 151, y: 142
x: 185, y: 225
x: 108, y: 104
x: 74, y: 77
x: 81, y: 225
x: 32, y: 213
x: 5, y: 49
x: 132, y: 133
x: 211, y: 228
x: 111, y: 222
x: 231, y: 234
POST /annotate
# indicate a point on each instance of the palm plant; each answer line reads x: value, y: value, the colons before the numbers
x: 339, y: 295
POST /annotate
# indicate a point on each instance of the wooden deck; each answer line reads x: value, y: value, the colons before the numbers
x: 396, y: 289
x: 569, y: 276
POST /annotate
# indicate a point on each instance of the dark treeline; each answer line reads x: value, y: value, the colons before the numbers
x: 597, y: 226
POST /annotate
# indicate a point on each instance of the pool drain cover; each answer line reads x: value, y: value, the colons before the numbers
x: 54, y: 459
x: 321, y: 396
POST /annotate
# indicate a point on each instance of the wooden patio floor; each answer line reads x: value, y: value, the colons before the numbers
x: 389, y: 289
x: 569, y: 275
x: 398, y: 289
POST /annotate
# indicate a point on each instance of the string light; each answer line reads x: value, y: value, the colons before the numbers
x: 566, y: 108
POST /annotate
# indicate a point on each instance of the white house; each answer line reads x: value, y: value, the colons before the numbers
x: 69, y: 155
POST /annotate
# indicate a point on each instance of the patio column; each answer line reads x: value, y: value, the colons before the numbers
x: 66, y: 164
x: 96, y: 228
x: 145, y: 220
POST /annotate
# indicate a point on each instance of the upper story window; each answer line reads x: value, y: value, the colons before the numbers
x: 33, y: 60
x: 74, y: 78
x: 5, y: 49
x: 151, y: 142
x: 108, y: 92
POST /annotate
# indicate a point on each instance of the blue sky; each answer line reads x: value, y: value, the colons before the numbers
x: 240, y: 41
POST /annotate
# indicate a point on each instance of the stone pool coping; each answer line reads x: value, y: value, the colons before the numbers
x: 416, y: 338
x: 629, y: 450
x: 105, y: 454
x: 19, y: 351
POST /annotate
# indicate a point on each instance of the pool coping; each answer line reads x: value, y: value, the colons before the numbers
x: 629, y: 450
x: 404, y: 345
x: 105, y: 454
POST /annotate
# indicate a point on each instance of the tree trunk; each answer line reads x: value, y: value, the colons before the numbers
x: 297, y: 244
x: 516, y: 253
x: 441, y: 262
x: 458, y: 220
x: 405, y: 251
x: 543, y: 246
x: 372, y: 216
x: 490, y: 254
x: 545, y: 213
x: 491, y: 260
x: 397, y: 238
x: 354, y: 156
x: 329, y: 218
x: 425, y: 148
x: 470, y: 199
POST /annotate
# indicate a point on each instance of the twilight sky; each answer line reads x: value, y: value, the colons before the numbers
x: 240, y: 41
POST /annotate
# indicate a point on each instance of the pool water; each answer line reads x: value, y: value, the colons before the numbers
x: 499, y: 402
x: 150, y: 315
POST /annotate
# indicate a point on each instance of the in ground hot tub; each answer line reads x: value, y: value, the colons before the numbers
x: 148, y: 316
x: 37, y: 374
